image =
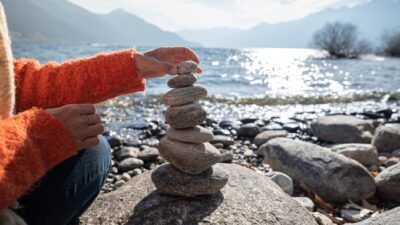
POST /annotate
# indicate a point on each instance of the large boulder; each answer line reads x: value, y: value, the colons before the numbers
x: 343, y: 129
x: 388, y: 183
x: 365, y: 154
x: 387, y: 138
x: 332, y: 176
x: 390, y: 217
x: 248, y: 198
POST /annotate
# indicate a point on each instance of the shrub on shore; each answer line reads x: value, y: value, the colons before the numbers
x: 391, y: 43
x: 341, y: 40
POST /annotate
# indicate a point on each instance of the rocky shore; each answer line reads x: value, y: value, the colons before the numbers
x: 340, y: 161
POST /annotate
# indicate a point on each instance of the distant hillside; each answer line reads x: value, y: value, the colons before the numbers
x: 59, y: 21
x: 209, y: 37
x: 371, y: 18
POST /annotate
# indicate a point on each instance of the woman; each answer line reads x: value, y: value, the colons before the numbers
x: 47, y: 118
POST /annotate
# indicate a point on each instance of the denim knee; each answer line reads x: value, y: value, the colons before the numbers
x: 70, y: 188
x: 98, y: 161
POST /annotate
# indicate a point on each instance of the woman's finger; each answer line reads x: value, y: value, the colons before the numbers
x: 92, y: 131
x: 151, y: 74
x: 90, y: 142
x: 86, y: 109
x: 154, y: 64
x: 91, y: 119
x: 189, y: 54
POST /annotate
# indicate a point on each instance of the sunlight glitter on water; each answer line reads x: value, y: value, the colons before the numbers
x: 288, y: 74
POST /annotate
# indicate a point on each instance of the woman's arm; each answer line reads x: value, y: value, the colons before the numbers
x: 31, y: 143
x: 88, y: 80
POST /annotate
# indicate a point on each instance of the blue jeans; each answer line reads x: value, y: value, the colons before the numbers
x: 68, y: 189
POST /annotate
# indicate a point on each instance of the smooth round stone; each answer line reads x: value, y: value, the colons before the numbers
x: 129, y: 164
x: 283, y: 181
x: 126, y: 152
x: 196, y: 134
x: 182, y: 81
x: 186, y: 67
x: 185, y: 95
x: 185, y: 116
x: 249, y: 130
x: 265, y: 136
x: 148, y: 154
x: 191, y: 158
x: 225, y: 140
x: 306, y: 202
x: 170, y: 180
x: 388, y: 183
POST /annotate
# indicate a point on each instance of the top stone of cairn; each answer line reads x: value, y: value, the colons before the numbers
x: 186, y: 67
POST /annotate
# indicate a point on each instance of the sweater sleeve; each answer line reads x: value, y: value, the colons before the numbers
x: 31, y: 143
x: 87, y: 80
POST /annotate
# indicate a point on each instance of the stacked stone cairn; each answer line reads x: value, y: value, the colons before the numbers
x: 191, y: 170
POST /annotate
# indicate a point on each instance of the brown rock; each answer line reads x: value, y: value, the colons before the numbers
x: 185, y: 116
x: 170, y: 180
x: 187, y: 67
x: 182, y: 81
x: 196, y: 134
x: 191, y: 158
x: 185, y: 95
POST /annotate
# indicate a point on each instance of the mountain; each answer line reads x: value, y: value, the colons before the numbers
x: 209, y: 37
x: 371, y: 18
x: 59, y: 21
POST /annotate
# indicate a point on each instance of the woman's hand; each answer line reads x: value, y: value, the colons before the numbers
x: 81, y: 122
x: 161, y: 61
x: 9, y: 217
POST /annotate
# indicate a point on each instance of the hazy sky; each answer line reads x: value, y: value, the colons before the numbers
x: 179, y: 14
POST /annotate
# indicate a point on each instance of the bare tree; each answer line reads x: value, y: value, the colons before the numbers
x: 340, y: 40
x: 391, y: 43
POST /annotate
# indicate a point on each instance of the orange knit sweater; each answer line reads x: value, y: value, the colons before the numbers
x: 33, y: 142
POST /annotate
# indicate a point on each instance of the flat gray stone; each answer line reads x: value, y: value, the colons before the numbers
x: 170, y: 180
x: 148, y: 154
x: 222, y: 139
x: 185, y: 116
x: 388, y: 183
x: 365, y: 154
x: 322, y: 219
x: 343, y: 129
x: 265, y: 136
x: 387, y: 138
x: 283, y: 181
x: 354, y: 215
x: 248, y: 198
x: 196, y: 134
x: 129, y: 164
x: 182, y: 81
x: 249, y: 130
x: 126, y: 152
x: 184, y: 95
x: 191, y: 158
x: 187, y: 67
x: 332, y: 176
x: 306, y: 202
x: 390, y: 217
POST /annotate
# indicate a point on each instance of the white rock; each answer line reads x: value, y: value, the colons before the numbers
x: 283, y: 181
x: 306, y: 202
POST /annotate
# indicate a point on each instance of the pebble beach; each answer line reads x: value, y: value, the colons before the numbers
x: 240, y: 133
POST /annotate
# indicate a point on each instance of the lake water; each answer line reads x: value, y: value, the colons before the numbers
x: 264, y: 76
